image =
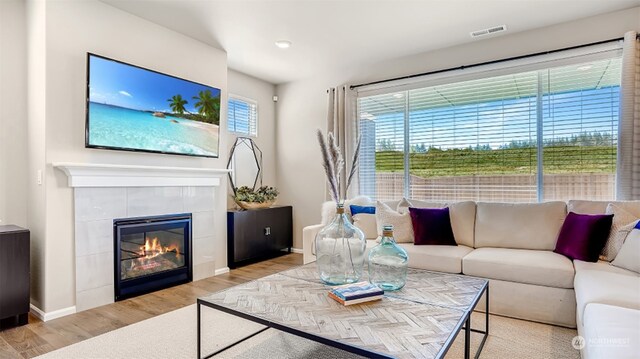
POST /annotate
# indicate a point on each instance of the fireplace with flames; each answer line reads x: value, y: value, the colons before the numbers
x: 151, y: 253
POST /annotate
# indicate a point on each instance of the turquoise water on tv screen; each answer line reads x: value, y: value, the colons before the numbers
x: 113, y: 126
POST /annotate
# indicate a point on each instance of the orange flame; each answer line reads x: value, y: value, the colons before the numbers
x: 153, y: 248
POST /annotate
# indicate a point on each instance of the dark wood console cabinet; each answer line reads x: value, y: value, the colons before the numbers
x: 14, y: 276
x: 258, y: 234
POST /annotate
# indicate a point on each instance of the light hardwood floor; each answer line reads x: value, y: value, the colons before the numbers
x: 39, y: 337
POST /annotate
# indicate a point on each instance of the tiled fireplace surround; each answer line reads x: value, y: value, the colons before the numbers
x: 98, y: 202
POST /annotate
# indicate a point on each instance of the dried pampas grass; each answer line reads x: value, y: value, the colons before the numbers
x: 329, y: 167
x: 333, y: 163
x: 354, y: 163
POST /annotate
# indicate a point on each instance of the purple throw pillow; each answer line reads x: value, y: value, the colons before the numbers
x: 583, y: 236
x: 432, y: 226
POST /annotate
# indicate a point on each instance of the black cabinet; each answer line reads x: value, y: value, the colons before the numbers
x: 14, y: 276
x: 258, y: 234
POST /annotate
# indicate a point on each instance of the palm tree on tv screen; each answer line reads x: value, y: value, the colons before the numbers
x: 208, y: 106
x: 177, y: 104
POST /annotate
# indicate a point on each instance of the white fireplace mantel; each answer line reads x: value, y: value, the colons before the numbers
x: 107, y: 175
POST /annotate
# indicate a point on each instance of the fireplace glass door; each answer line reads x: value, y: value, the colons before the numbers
x: 151, y: 251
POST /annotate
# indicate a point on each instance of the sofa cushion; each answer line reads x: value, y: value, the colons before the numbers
x: 463, y: 218
x: 518, y: 225
x: 600, y: 207
x: 404, y: 204
x: 583, y: 236
x: 611, y: 332
x: 446, y: 259
x: 601, y: 266
x: 587, y: 207
x: 520, y: 265
x: 606, y: 287
x: 463, y: 221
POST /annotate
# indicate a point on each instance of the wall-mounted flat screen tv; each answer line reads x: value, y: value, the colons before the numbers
x: 134, y: 109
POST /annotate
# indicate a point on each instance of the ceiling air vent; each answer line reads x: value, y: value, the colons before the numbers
x: 489, y: 31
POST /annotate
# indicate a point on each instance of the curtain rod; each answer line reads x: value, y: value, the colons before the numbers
x: 485, y: 63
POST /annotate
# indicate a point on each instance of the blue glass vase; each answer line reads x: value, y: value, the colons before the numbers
x: 388, y: 263
x: 340, y: 249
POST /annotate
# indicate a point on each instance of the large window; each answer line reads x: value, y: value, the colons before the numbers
x: 540, y: 135
x: 242, y: 116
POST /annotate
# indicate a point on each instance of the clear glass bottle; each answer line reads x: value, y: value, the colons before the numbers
x: 340, y: 248
x: 388, y: 262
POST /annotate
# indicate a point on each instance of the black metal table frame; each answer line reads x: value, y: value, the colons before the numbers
x: 466, y: 319
x: 463, y: 324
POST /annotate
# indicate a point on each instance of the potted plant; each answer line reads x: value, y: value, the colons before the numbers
x: 263, y: 197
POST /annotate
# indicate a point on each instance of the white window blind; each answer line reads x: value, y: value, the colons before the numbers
x: 242, y: 116
x: 580, y: 117
x: 548, y: 134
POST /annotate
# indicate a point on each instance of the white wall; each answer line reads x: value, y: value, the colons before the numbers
x: 261, y: 91
x: 36, y: 94
x: 302, y: 104
x: 13, y: 112
x: 74, y: 28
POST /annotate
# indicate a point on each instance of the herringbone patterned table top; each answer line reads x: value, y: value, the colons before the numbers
x: 414, y: 322
x: 444, y: 289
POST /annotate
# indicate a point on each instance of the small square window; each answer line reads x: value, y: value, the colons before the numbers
x: 242, y: 116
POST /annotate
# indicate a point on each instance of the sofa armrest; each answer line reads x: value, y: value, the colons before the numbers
x: 308, y: 237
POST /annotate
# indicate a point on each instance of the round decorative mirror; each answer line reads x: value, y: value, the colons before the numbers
x: 245, y: 161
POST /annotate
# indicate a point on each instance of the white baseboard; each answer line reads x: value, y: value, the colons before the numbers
x: 45, y: 317
x: 221, y: 271
x: 293, y: 250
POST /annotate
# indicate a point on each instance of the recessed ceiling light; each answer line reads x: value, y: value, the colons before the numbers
x: 283, y: 44
x: 585, y: 67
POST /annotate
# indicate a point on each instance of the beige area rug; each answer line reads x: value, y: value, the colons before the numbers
x: 173, y: 336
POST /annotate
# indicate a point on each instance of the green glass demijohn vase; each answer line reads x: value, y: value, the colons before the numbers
x: 340, y: 248
x: 388, y: 262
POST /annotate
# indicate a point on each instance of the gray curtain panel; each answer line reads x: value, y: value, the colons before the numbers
x: 341, y: 121
x: 628, y: 166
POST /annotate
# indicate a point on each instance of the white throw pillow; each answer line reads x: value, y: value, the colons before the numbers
x: 401, y: 222
x: 621, y: 218
x: 629, y: 255
x: 329, y: 208
x: 403, y: 206
x: 367, y: 224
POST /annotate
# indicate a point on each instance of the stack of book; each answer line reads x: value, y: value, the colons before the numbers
x: 355, y: 293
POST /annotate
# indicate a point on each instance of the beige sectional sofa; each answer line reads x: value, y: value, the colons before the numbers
x: 608, y: 300
x: 512, y: 246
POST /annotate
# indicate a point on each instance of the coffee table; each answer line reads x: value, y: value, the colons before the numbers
x: 419, y: 321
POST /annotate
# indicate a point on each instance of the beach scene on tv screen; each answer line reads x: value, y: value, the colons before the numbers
x: 134, y: 108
